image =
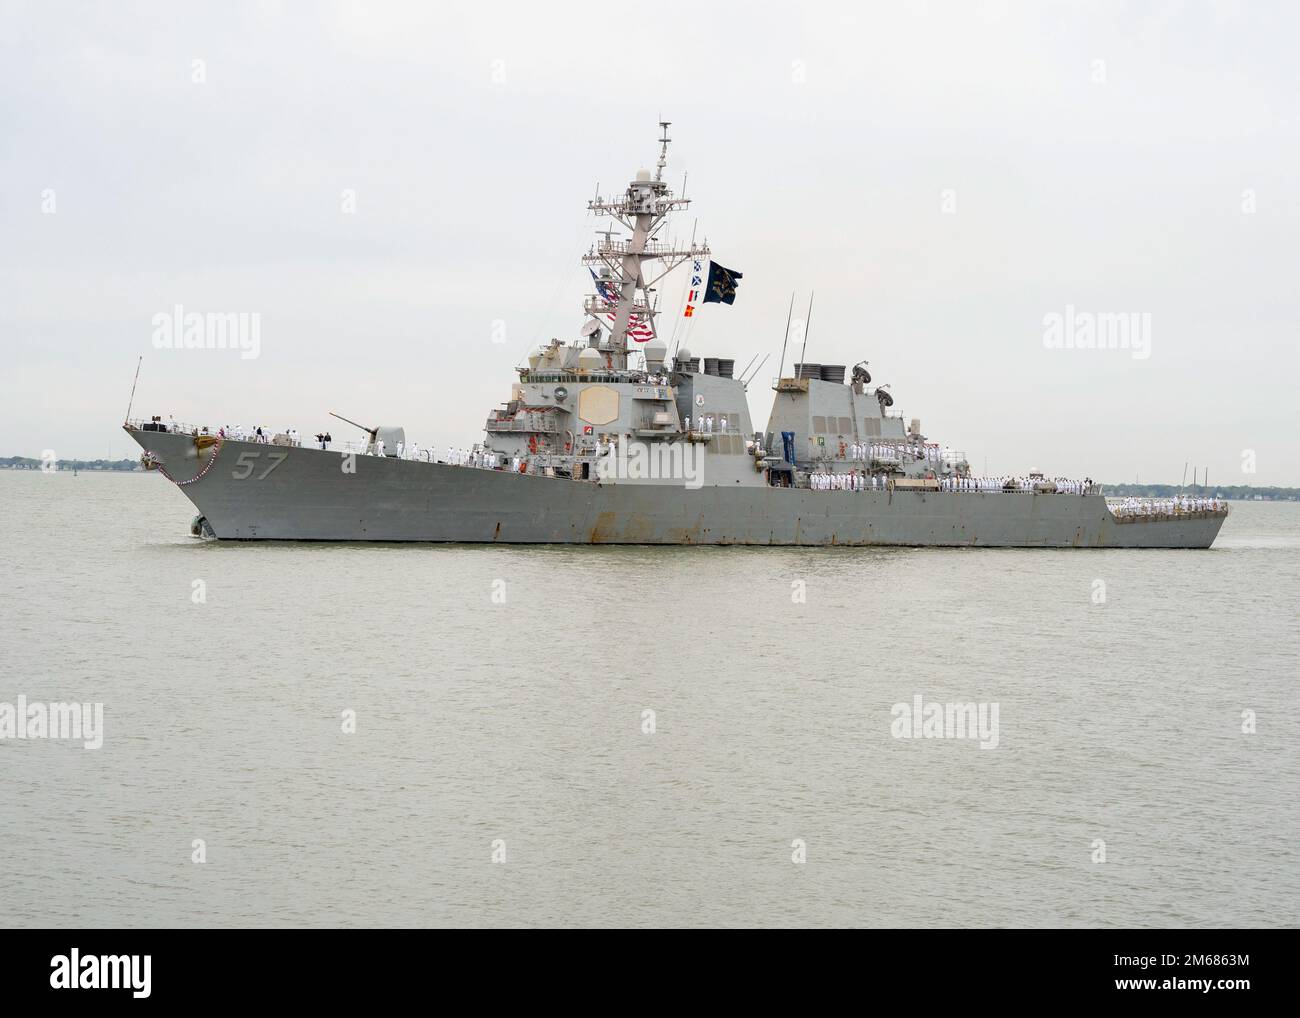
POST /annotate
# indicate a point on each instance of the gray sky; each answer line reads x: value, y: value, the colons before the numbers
x: 1113, y: 157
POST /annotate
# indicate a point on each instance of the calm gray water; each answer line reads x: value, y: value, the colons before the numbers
x: 522, y: 722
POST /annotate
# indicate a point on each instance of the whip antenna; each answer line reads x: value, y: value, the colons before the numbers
x: 788, y: 316
x: 806, y: 320
x: 131, y: 402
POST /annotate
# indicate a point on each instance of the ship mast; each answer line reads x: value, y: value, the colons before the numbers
x: 642, y: 210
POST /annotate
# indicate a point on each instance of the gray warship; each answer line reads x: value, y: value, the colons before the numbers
x: 609, y: 439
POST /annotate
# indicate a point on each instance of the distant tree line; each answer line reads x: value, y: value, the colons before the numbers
x: 27, y: 463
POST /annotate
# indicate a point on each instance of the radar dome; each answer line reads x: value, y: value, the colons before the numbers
x: 642, y: 175
x: 683, y: 356
x: 590, y: 360
x: 655, y: 351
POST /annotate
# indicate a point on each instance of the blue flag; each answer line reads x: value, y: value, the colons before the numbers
x: 721, y: 288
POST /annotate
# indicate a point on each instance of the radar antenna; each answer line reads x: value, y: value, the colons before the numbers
x: 663, y: 154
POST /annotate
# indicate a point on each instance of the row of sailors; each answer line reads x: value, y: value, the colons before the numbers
x: 475, y: 457
x: 705, y: 423
x: 1064, y: 486
x: 852, y: 481
x: 485, y: 460
x: 880, y: 453
x: 1168, y: 506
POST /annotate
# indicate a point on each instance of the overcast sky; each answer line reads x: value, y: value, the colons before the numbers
x: 945, y: 176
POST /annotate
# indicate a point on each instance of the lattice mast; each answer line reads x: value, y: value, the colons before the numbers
x: 642, y: 210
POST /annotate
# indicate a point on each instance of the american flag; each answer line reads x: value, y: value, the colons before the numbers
x: 636, y: 328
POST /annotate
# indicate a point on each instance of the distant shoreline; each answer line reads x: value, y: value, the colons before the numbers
x: 27, y: 463
x: 1238, y: 492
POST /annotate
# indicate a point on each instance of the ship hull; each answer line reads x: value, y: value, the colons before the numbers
x: 258, y: 492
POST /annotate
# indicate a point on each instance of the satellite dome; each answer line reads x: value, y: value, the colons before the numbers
x: 590, y: 359
x: 642, y: 176
x: 655, y: 350
x: 683, y: 356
